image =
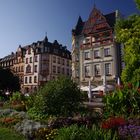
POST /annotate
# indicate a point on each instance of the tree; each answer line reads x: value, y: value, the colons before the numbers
x: 8, y: 81
x: 60, y: 97
x: 128, y: 33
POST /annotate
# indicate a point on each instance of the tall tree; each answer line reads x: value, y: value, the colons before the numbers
x: 128, y: 33
x: 8, y: 81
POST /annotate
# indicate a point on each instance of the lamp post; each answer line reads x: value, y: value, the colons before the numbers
x: 104, y: 78
x: 118, y: 81
x: 89, y: 91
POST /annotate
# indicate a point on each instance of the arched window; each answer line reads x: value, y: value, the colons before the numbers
x: 26, y: 80
x: 28, y: 69
x: 30, y: 79
x: 35, y: 79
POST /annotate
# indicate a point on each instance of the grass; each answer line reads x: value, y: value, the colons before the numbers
x: 8, y: 134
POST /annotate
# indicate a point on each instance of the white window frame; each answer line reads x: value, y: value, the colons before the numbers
x: 107, y: 52
x: 96, y: 53
x: 87, y: 55
x: 97, y: 69
x: 87, y: 71
x: 108, y: 70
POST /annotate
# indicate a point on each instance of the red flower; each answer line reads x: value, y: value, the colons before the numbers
x: 113, y: 122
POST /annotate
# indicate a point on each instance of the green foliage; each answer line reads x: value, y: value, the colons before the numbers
x: 128, y: 33
x: 123, y: 101
x: 17, y: 101
x: 60, y: 97
x: 8, y: 80
x: 17, y: 96
x: 138, y: 3
x: 6, y: 133
x: 82, y: 133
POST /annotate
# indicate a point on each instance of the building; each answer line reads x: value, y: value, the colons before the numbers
x: 38, y: 63
x: 45, y: 61
x: 18, y: 66
x: 95, y: 53
x: 7, y: 62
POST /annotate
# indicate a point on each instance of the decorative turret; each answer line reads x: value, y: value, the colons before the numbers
x: 46, y: 39
x: 78, y: 27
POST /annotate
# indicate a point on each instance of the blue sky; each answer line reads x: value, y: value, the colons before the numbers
x: 25, y: 21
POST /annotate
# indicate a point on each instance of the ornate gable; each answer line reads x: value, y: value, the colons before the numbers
x: 95, y: 22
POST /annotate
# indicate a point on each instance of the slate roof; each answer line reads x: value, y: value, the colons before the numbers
x: 111, y: 18
x: 79, y: 26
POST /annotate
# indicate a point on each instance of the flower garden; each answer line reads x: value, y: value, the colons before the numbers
x: 34, y: 117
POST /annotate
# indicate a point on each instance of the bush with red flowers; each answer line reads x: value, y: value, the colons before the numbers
x: 113, y: 122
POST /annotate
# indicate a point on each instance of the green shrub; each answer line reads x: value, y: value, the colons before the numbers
x: 17, y: 96
x: 60, y: 97
x: 8, y: 134
x: 123, y: 101
x: 82, y: 133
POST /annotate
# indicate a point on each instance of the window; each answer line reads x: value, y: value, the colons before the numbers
x: 26, y: 80
x: 36, y: 58
x: 30, y: 59
x: 108, y: 68
x: 54, y: 59
x: 19, y: 68
x: 54, y: 69
x: 63, y: 61
x: 35, y: 68
x: 87, y: 56
x: 30, y: 79
x: 68, y: 63
x: 55, y: 51
x: 28, y: 69
x: 58, y: 60
x: 63, y: 70
x: 87, y: 71
x: 46, y: 49
x: 68, y: 72
x: 96, y: 54
x: 77, y: 73
x: 107, y: 52
x: 58, y: 69
x: 97, y: 70
x: 26, y: 60
x: 35, y: 79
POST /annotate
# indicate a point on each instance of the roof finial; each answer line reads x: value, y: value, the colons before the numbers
x: 46, y: 38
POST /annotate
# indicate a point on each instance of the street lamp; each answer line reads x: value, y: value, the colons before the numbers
x: 89, y: 91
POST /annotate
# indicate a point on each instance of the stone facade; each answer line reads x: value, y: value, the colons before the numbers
x: 38, y: 63
x: 95, y: 53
